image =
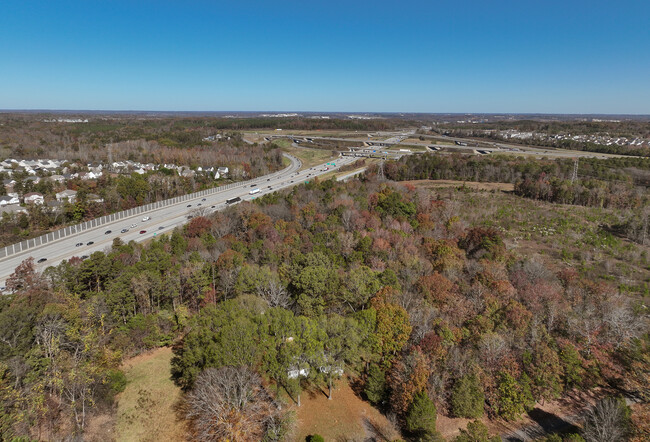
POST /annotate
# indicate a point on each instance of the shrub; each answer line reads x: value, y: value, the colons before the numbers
x: 467, y: 397
x: 421, y: 417
x: 476, y: 432
x: 116, y: 381
x: 375, y: 388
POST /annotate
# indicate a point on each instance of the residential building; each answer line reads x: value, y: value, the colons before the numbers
x: 67, y: 194
x: 33, y: 198
x: 6, y: 200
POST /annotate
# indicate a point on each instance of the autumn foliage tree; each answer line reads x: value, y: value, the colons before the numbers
x: 408, y: 377
x: 198, y: 226
x: 393, y: 327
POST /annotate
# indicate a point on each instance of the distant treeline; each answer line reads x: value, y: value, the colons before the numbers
x: 31, y: 130
x: 615, y: 183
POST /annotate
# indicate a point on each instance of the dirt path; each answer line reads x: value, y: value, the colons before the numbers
x: 433, y: 184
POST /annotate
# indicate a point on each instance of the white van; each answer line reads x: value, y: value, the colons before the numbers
x: 254, y: 191
x: 146, y: 218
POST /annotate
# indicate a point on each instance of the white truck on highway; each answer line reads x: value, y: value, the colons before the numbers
x: 254, y: 191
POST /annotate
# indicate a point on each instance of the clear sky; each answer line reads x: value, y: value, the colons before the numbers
x: 547, y: 56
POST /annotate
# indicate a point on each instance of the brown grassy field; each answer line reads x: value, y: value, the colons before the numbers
x: 345, y: 417
x: 146, y: 409
x: 311, y: 157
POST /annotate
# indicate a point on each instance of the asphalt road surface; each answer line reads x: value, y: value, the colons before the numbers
x: 163, y: 220
x: 501, y: 148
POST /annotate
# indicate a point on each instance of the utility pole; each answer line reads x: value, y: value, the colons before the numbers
x: 645, y: 227
x: 574, y: 176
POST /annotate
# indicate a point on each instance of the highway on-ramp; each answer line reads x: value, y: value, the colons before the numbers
x: 162, y: 220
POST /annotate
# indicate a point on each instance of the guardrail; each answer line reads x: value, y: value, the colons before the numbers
x: 22, y: 246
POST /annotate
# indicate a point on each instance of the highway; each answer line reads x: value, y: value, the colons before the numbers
x: 500, y: 147
x: 163, y: 220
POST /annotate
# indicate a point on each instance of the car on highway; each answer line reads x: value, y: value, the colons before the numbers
x: 253, y: 185
x: 268, y: 179
x: 84, y: 257
x: 189, y: 205
x: 90, y: 243
x: 124, y: 230
x: 161, y: 227
x: 107, y: 232
x: 198, y: 204
x: 42, y: 260
x: 133, y: 226
x: 79, y: 244
x: 146, y: 218
x: 190, y: 216
x: 212, y: 207
x: 203, y: 199
x: 142, y: 231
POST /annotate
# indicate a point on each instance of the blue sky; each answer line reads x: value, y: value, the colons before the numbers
x: 570, y: 56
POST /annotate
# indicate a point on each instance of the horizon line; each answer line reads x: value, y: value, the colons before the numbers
x: 315, y: 112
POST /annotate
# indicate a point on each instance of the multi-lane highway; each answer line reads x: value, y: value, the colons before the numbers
x: 396, y: 141
x: 162, y: 220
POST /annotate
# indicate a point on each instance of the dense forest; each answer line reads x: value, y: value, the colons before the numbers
x: 408, y: 292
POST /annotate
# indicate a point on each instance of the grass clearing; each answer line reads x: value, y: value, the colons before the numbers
x: 578, y: 236
x: 311, y: 157
x: 345, y: 417
x: 146, y: 409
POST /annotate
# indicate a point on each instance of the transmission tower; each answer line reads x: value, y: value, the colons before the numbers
x: 574, y: 176
x: 110, y: 152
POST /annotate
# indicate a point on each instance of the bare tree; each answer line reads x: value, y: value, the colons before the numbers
x: 622, y: 323
x: 607, y: 421
x: 274, y: 293
x: 491, y: 349
x: 347, y: 218
x: 422, y: 317
x: 230, y: 403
